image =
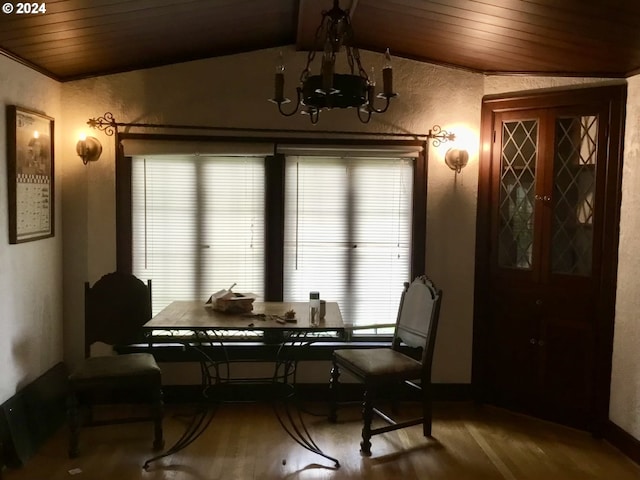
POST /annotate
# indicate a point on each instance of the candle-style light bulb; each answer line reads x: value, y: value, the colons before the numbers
x: 387, y: 76
x: 371, y: 86
x: 387, y: 59
x: 372, y: 77
x: 327, y: 68
x: 280, y: 63
x: 278, y: 94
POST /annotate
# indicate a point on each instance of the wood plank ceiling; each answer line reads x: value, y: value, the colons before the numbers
x: 81, y: 38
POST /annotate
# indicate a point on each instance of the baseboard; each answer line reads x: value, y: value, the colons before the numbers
x: 623, y: 441
x: 32, y: 415
x: 305, y: 391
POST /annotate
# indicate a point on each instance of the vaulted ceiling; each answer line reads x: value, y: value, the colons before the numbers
x: 81, y: 38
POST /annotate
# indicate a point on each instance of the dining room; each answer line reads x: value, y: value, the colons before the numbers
x: 282, y: 207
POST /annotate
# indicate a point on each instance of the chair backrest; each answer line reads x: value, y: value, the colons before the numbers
x: 116, y: 308
x: 418, y: 319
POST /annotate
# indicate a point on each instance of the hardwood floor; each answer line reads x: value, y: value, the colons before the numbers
x: 245, y: 441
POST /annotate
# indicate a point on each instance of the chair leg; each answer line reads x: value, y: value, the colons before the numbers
x: 367, y: 418
x: 73, y: 420
x: 427, y: 415
x: 333, y: 393
x: 158, y: 412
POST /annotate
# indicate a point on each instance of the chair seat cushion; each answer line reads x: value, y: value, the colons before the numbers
x: 378, y: 364
x: 116, y: 367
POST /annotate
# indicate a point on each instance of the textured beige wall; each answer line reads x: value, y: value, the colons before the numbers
x: 30, y: 273
x: 624, y: 408
x: 232, y: 92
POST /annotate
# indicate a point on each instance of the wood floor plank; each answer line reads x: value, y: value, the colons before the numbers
x: 245, y: 442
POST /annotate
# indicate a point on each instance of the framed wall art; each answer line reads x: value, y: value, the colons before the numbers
x: 30, y: 175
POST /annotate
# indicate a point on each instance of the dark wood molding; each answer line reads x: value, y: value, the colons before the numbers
x: 623, y: 441
x: 124, y: 240
x: 311, y: 392
x: 609, y: 274
x: 32, y: 415
x: 274, y: 228
x: 419, y: 233
x: 483, y: 211
x: 553, y: 97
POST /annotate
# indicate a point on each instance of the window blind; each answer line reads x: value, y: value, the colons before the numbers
x: 348, y: 233
x: 198, y: 225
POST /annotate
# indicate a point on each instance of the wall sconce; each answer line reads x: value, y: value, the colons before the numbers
x: 89, y: 149
x: 456, y: 159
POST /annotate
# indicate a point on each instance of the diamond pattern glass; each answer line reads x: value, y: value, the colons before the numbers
x: 517, y: 192
x: 574, y: 195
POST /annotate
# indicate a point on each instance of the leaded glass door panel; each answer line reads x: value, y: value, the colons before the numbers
x: 518, y: 158
x: 574, y: 188
x: 518, y: 183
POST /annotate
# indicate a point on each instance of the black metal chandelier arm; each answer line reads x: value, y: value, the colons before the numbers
x: 314, y: 115
x: 106, y: 123
x: 297, y: 104
x: 380, y: 110
x: 361, y: 111
x: 288, y: 114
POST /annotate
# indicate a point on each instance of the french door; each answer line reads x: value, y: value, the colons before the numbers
x: 547, y: 250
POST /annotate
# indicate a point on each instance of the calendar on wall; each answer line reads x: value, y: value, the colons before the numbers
x: 30, y: 173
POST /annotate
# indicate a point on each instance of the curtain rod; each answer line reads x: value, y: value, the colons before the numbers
x: 107, y: 124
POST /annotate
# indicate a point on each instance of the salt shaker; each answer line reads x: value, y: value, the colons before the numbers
x: 314, y: 308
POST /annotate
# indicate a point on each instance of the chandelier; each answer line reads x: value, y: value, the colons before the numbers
x: 329, y: 89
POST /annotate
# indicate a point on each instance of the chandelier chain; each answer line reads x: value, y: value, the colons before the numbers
x: 312, y: 53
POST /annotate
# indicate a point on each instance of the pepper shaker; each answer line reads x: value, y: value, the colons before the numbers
x: 314, y: 308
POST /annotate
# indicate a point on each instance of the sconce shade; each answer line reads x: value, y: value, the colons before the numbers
x: 89, y: 149
x: 456, y: 159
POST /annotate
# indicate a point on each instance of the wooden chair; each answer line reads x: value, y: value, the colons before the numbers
x: 407, y: 361
x: 116, y: 307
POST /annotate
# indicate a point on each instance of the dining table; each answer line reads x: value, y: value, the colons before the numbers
x: 201, y: 327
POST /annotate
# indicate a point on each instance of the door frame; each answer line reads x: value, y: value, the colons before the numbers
x: 615, y: 96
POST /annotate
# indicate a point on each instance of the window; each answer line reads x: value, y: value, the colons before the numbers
x: 348, y: 233
x: 197, y: 225
x: 347, y: 222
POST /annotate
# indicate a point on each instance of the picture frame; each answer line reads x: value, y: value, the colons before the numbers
x: 30, y: 175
